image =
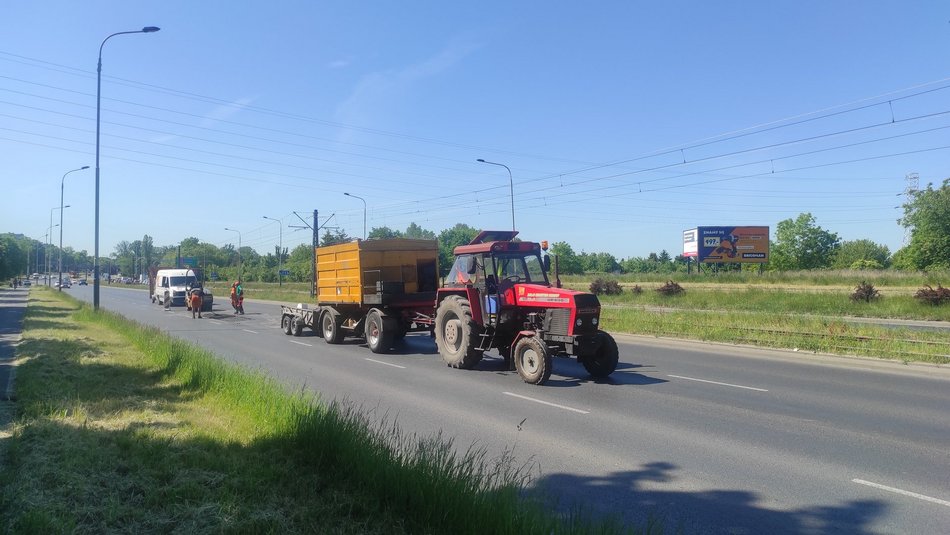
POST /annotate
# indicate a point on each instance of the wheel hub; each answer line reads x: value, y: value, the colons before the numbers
x: 452, y: 328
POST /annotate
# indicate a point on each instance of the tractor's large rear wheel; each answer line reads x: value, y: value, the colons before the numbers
x: 457, y: 333
x: 533, y: 360
x: 604, y: 361
x: 380, y: 331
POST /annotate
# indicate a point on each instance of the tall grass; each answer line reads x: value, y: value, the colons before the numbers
x: 121, y: 428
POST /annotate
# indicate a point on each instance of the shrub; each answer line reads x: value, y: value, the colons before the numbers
x: 605, y: 287
x: 934, y: 297
x: 865, y: 292
x: 866, y: 264
x: 670, y: 288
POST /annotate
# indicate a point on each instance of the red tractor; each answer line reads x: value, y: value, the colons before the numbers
x: 497, y: 296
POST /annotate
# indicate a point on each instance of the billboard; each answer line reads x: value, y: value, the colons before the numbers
x: 727, y: 244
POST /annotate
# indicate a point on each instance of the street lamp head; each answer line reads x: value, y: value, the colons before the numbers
x: 150, y: 29
x: 480, y: 160
x: 84, y: 167
x: 347, y: 194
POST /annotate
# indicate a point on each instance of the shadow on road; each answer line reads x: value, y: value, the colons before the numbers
x: 634, y: 496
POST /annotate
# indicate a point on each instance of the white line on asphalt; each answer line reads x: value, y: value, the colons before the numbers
x: 249, y: 331
x: 300, y: 343
x: 386, y: 363
x: 546, y: 403
x: 216, y: 322
x: 899, y: 491
x: 718, y: 383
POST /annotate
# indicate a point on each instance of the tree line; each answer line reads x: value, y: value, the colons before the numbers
x: 799, y: 244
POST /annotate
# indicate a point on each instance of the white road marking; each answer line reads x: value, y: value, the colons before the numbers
x: 546, y: 403
x: 386, y: 363
x: 249, y: 331
x: 900, y: 491
x: 300, y: 343
x: 216, y: 322
x: 718, y: 383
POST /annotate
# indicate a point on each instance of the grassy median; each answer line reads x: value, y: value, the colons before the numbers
x: 120, y: 428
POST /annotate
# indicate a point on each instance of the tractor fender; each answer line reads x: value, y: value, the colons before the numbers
x: 519, y: 336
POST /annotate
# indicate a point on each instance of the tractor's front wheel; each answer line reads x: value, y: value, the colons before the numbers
x: 604, y: 361
x: 456, y: 333
x: 533, y: 360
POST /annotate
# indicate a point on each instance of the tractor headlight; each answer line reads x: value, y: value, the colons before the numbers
x: 578, y: 322
x: 594, y: 321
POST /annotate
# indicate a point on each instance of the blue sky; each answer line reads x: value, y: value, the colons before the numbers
x: 623, y: 123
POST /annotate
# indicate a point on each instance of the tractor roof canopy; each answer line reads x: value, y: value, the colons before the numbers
x: 489, y: 241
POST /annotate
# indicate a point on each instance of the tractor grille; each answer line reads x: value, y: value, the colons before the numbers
x: 557, y: 320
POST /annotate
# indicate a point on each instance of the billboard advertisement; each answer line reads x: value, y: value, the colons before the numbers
x: 728, y: 244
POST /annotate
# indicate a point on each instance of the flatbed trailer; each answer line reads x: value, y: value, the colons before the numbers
x: 377, y: 289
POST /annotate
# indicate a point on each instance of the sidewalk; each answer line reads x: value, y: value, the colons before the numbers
x: 12, y: 310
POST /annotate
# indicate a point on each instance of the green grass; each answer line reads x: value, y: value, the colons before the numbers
x: 122, y: 429
x: 824, y: 335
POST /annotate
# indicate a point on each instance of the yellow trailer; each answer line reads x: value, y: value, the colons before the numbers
x: 362, y: 272
x: 379, y: 289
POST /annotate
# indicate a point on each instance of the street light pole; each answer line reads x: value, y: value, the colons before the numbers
x: 280, y: 250
x: 62, y: 186
x: 95, y: 269
x: 511, y: 186
x: 49, y: 265
x: 240, y: 259
x: 364, y: 211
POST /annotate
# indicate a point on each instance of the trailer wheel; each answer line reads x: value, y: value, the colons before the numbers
x: 330, y: 325
x: 380, y: 331
x: 296, y: 327
x: 456, y: 333
x: 285, y: 322
x: 604, y: 361
x: 533, y: 360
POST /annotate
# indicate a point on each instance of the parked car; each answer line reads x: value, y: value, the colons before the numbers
x: 83, y: 282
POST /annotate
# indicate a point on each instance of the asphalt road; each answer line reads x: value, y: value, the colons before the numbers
x: 703, y: 437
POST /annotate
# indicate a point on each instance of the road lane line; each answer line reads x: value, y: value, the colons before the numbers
x: 249, y: 331
x: 216, y: 322
x: 546, y: 403
x: 300, y: 343
x: 718, y: 383
x: 386, y: 363
x: 900, y: 491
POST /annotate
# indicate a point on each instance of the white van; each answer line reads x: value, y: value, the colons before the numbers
x: 173, y: 285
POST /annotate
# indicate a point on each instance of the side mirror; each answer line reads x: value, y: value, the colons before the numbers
x: 546, y: 263
x: 470, y: 265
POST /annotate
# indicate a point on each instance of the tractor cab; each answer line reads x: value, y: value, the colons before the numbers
x: 492, y: 262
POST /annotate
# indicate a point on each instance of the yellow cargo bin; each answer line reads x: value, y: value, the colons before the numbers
x: 359, y: 272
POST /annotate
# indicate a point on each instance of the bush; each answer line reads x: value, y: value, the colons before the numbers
x: 934, y: 297
x: 670, y: 288
x: 605, y: 287
x: 866, y: 264
x: 865, y: 292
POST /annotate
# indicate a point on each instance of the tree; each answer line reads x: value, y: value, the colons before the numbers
x: 383, y: 233
x: 861, y: 254
x: 927, y: 215
x: 567, y: 260
x: 449, y: 239
x: 801, y: 244
x: 334, y: 237
x: 415, y: 232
